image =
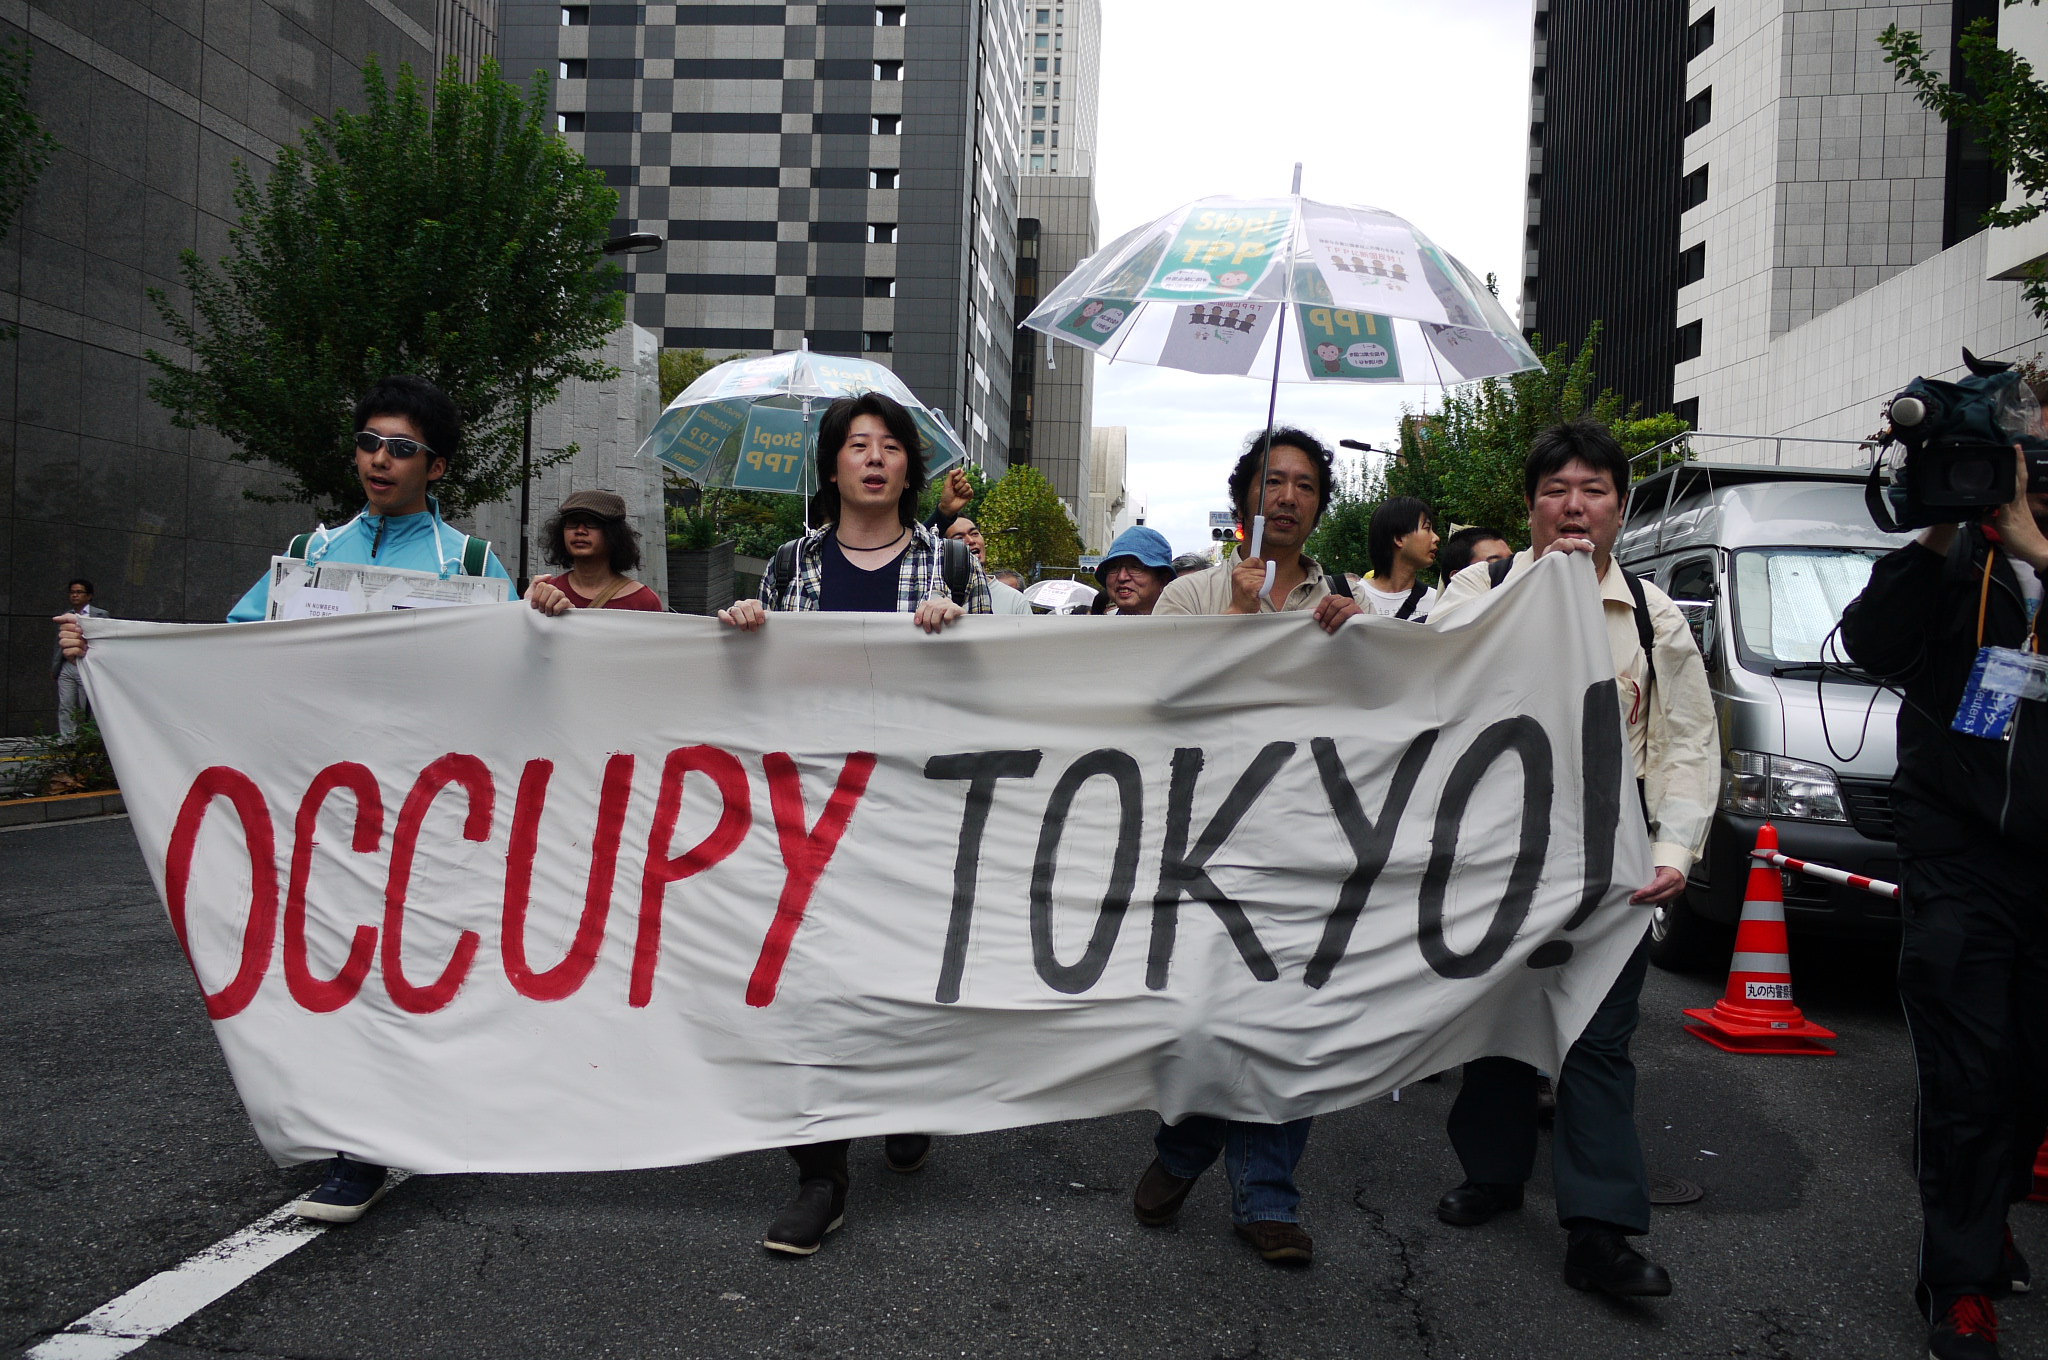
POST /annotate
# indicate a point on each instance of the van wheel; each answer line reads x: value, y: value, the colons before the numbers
x: 1683, y: 941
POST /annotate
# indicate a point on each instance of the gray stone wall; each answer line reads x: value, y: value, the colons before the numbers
x: 606, y: 422
x: 152, y: 100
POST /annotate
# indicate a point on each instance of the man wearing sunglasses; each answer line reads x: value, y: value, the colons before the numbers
x: 406, y: 431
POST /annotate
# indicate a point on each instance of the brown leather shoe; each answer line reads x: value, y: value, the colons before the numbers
x: 1278, y: 1241
x: 1159, y: 1196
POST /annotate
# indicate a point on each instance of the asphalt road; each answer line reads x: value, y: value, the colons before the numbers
x: 123, y: 1150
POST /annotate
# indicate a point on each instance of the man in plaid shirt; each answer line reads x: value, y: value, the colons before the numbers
x: 871, y: 556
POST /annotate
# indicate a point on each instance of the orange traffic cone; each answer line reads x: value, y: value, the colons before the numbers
x: 2040, y: 1175
x: 1756, y: 1015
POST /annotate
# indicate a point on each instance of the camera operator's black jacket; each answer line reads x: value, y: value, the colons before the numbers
x: 1915, y: 624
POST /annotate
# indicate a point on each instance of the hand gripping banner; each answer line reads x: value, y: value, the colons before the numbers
x: 480, y: 890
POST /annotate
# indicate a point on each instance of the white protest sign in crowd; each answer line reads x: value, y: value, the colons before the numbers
x: 478, y: 889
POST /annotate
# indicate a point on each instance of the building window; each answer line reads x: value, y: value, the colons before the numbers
x: 1041, y: 41
x: 1692, y: 190
x: 882, y: 179
x: 877, y: 342
x: 1055, y: 113
x: 1038, y: 136
x: 1688, y: 342
x: 1699, y: 35
x: 1038, y: 88
x: 1055, y: 165
x: 881, y: 288
x: 575, y: 16
x: 1055, y: 89
x: 886, y: 124
x: 1055, y: 65
x: 1038, y: 113
x: 574, y: 68
x: 1045, y: 16
x: 1692, y: 265
x: 1038, y: 164
x: 569, y: 122
x: 1038, y: 66
x: 1059, y: 42
x: 1055, y: 136
x: 1687, y: 411
x: 888, y: 16
x: 881, y: 233
x: 1699, y: 111
x: 888, y: 70
x: 1059, y: 16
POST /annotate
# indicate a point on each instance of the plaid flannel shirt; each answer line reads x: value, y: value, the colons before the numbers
x: 918, y: 576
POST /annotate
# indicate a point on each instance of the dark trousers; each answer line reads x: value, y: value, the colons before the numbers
x: 822, y: 1161
x: 1596, y: 1158
x: 1973, y: 977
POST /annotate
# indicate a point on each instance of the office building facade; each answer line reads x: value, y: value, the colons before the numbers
x: 838, y: 174
x: 1834, y: 224
x: 1606, y: 139
x: 151, y: 102
x: 1053, y: 397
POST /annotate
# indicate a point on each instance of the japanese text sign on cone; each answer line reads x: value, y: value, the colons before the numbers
x: 1756, y: 1014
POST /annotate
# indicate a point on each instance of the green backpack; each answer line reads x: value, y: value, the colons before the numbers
x: 475, y: 552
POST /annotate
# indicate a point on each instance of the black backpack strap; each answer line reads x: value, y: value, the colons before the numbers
x: 956, y: 565
x: 299, y: 545
x: 1645, y: 634
x: 1414, y: 598
x: 475, y: 553
x: 785, y: 572
x: 1497, y: 571
x: 1339, y: 584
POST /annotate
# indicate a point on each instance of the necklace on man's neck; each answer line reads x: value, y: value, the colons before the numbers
x: 848, y: 547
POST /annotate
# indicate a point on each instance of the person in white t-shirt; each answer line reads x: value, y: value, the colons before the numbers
x: 1402, y: 545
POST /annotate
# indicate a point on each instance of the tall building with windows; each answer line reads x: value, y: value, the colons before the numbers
x: 151, y: 103
x: 1605, y: 144
x: 1825, y: 241
x: 1053, y: 397
x: 841, y: 174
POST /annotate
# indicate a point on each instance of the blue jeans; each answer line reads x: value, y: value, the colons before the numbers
x: 1259, y: 1159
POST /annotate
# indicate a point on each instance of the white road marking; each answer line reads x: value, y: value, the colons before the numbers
x: 166, y: 1299
x: 64, y: 821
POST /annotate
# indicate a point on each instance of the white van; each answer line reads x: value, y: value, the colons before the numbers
x: 1763, y: 560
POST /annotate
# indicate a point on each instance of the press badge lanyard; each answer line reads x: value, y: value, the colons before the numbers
x: 2001, y: 676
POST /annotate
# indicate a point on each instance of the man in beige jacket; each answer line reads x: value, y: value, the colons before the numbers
x: 1575, y: 481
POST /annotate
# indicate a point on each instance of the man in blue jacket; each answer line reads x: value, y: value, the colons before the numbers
x: 406, y: 431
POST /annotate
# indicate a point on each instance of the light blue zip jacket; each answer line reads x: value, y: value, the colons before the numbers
x: 420, y: 542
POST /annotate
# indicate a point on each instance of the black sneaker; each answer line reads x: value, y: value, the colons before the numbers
x: 799, y: 1230
x: 906, y: 1152
x: 347, y: 1193
x: 1967, y: 1331
x: 2014, y: 1276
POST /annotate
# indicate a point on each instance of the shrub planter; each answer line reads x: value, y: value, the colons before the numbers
x: 700, y: 579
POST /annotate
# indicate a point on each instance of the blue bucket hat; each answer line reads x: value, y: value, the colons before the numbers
x: 1148, y: 547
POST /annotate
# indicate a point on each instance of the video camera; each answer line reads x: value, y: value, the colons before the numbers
x: 1958, y: 439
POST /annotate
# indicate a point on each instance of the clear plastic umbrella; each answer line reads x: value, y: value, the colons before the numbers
x: 752, y: 424
x: 1288, y: 287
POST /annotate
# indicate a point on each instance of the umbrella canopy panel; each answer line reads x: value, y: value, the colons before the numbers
x: 752, y: 424
x: 1355, y: 294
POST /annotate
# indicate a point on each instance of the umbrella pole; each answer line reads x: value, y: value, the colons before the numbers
x: 1273, y: 396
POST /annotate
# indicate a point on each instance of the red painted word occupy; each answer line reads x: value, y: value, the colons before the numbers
x: 806, y: 850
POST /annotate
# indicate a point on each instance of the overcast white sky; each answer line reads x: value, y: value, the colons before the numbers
x: 1420, y: 109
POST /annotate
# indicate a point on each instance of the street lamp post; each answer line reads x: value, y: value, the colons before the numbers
x: 633, y: 243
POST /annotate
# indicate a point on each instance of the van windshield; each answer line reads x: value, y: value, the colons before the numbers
x: 1787, y: 601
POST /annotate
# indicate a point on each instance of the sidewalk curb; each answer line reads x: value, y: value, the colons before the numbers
x: 62, y: 807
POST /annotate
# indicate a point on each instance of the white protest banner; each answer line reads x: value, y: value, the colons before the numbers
x: 477, y: 889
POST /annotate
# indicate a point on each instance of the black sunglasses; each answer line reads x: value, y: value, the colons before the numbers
x: 369, y: 441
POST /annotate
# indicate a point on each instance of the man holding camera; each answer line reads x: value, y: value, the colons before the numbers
x: 1971, y: 804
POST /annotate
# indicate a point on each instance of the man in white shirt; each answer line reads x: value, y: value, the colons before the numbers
x: 1402, y: 545
x: 1574, y: 480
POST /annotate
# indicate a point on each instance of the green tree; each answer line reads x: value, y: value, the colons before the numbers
x: 1998, y: 100
x: 681, y: 367
x: 1026, y: 524
x: 461, y: 243
x: 1465, y: 458
x: 1339, y: 542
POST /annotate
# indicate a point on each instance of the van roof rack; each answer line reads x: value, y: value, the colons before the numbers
x: 1669, y: 485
